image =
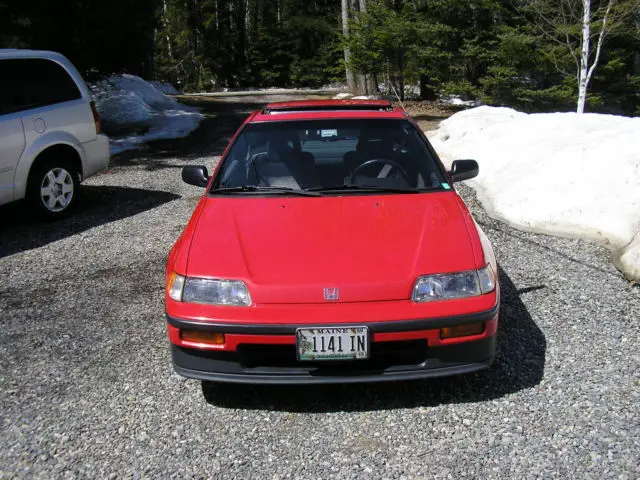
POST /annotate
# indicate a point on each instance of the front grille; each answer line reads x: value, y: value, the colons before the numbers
x: 382, y: 355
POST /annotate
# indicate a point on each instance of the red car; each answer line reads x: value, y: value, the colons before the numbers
x: 330, y: 246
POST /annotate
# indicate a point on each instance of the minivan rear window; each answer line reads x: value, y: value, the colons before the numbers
x: 34, y: 82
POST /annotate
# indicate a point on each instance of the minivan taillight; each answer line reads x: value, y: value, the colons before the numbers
x: 96, y: 118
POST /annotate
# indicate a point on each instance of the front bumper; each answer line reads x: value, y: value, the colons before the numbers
x: 400, y: 350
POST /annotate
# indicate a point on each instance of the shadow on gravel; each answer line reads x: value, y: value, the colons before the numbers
x: 519, y: 365
x: 96, y: 205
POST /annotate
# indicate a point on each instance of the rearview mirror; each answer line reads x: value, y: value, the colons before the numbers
x: 195, y: 175
x: 463, y: 170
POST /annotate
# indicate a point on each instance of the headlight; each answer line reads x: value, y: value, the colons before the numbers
x: 213, y: 292
x: 454, y: 285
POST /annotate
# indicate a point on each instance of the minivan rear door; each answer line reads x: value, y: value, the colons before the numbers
x: 12, y: 141
x: 51, y: 101
x: 11, y: 148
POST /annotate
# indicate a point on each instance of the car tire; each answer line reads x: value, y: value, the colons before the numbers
x: 53, y: 188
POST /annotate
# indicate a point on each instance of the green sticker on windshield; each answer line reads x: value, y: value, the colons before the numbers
x: 445, y: 186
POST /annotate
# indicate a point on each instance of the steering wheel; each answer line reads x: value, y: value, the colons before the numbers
x: 382, y: 161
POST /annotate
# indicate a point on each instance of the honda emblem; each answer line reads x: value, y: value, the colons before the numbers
x: 331, y: 294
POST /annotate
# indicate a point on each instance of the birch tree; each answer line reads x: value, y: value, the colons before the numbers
x: 580, y: 28
x: 587, y: 66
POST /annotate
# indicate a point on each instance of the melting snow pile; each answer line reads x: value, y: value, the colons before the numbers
x: 127, y: 104
x: 458, y: 101
x: 349, y: 96
x: 561, y: 173
x: 165, y: 88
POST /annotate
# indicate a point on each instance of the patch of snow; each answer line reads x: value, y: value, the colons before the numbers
x: 458, y: 101
x: 267, y: 91
x: 165, y: 88
x: 411, y: 91
x: 343, y: 96
x: 629, y: 261
x: 364, y: 97
x: 335, y: 86
x: 171, y: 124
x: 558, y: 173
x: 127, y: 103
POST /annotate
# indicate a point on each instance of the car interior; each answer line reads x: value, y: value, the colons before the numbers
x: 364, y: 153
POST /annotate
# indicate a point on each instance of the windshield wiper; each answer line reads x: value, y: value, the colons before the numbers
x: 261, y: 189
x: 367, y: 188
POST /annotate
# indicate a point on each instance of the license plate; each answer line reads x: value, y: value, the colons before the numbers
x: 348, y: 343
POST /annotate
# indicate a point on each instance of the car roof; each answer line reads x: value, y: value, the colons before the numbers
x: 64, y: 62
x: 327, y: 109
x: 26, y: 53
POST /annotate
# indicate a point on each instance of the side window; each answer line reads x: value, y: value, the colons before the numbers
x: 33, y: 83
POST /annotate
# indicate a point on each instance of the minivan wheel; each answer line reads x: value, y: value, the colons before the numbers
x: 53, y: 189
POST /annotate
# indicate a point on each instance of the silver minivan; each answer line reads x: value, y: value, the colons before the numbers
x: 50, y: 133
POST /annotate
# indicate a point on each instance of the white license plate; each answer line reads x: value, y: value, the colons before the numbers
x: 342, y: 343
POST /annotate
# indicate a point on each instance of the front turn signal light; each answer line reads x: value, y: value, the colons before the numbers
x: 198, y: 336
x: 462, y: 331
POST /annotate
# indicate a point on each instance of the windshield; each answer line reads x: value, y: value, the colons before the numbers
x: 329, y: 155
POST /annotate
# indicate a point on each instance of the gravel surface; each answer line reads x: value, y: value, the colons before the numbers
x: 87, y: 389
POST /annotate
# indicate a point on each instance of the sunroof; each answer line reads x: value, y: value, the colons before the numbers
x: 345, y: 107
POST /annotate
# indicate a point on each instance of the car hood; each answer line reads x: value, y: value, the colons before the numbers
x: 369, y: 247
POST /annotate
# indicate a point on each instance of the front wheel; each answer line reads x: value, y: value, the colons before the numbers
x: 53, y: 189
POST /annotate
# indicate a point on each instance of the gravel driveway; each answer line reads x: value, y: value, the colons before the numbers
x: 87, y: 388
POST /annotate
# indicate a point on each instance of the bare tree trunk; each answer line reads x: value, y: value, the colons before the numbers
x: 636, y: 56
x: 371, y: 79
x: 215, y: 6
x: 586, y: 71
x: 584, y: 55
x: 365, y: 84
x: 165, y: 21
x: 247, y: 25
x: 401, y: 75
x: 351, y: 84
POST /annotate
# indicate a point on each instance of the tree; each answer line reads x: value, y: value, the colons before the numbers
x: 535, y: 55
x: 240, y: 43
x: 580, y: 31
x: 351, y: 81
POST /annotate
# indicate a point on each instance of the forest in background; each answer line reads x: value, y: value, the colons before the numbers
x: 520, y: 53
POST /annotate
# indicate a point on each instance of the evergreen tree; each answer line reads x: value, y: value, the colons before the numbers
x: 493, y: 50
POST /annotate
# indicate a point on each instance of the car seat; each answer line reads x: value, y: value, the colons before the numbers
x: 284, y: 164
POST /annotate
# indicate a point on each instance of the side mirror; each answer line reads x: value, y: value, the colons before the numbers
x: 463, y: 170
x: 195, y: 175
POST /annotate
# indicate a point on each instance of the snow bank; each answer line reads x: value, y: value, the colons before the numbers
x: 559, y: 173
x: 350, y: 96
x: 459, y: 101
x: 165, y: 88
x: 127, y: 103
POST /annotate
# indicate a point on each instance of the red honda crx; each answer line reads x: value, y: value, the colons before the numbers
x: 330, y: 246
